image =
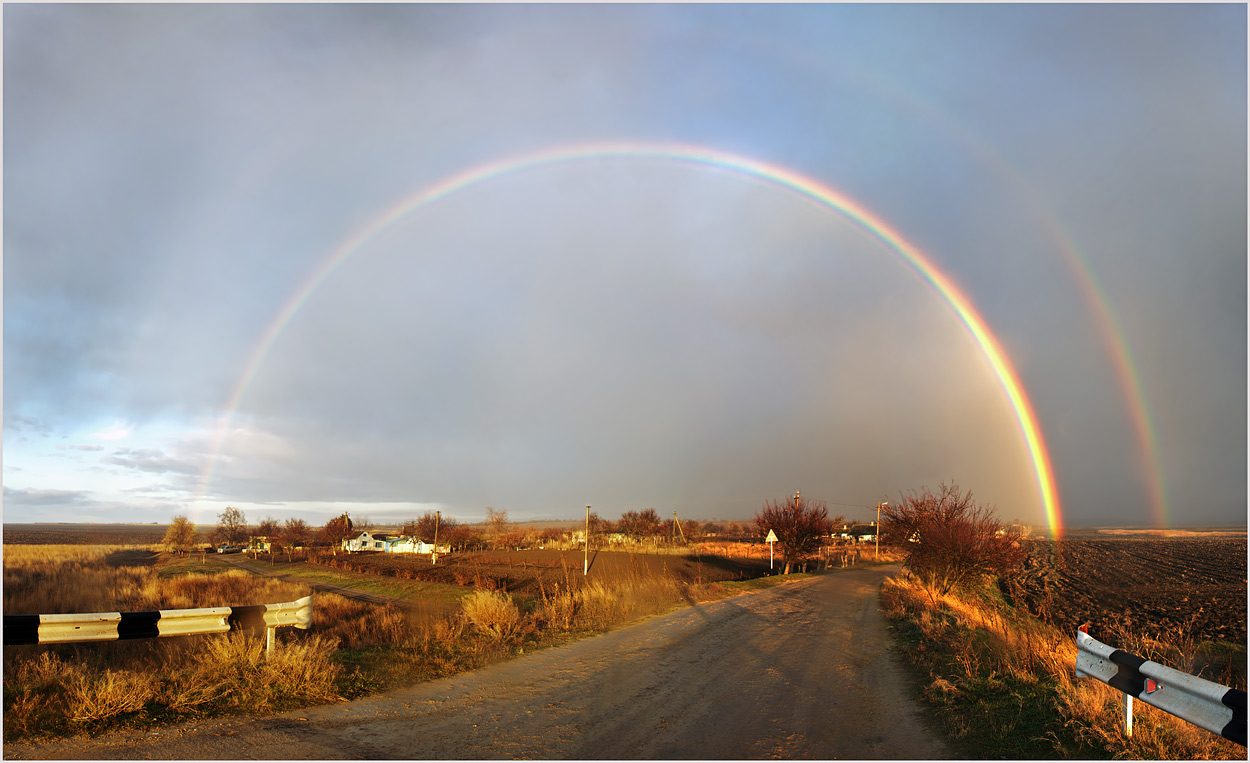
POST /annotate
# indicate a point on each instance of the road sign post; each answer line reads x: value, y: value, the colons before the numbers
x: 771, y: 539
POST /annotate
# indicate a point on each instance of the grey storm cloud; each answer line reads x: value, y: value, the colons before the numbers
x: 618, y: 331
x: 149, y: 460
x: 46, y: 497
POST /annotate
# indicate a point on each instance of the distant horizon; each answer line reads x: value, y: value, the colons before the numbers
x: 1083, y: 528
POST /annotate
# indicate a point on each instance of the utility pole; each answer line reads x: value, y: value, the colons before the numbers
x: 586, y: 547
x: 438, y: 519
x: 876, y: 555
x: 677, y: 528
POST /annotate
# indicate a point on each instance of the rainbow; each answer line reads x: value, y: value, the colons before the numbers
x: 1095, y: 296
x: 703, y: 157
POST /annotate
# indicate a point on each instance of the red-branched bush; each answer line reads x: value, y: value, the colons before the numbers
x: 950, y: 539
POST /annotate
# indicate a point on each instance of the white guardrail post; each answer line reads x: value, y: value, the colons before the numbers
x: 1212, y: 706
x: 113, y: 626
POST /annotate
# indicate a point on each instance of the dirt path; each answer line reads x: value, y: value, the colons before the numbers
x: 798, y: 671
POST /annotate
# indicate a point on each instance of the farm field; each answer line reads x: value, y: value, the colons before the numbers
x: 528, y: 573
x: 67, y: 534
x: 1195, y: 584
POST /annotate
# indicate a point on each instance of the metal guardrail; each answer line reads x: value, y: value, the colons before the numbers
x: 1204, y: 703
x: 113, y: 626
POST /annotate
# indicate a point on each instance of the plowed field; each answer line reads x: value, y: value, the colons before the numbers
x: 1152, y: 585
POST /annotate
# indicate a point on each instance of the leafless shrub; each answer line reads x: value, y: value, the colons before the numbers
x: 949, y: 539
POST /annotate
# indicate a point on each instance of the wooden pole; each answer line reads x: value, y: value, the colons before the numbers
x: 876, y: 535
x: 438, y: 519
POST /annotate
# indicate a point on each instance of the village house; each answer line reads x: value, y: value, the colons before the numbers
x: 392, y: 544
x: 857, y: 533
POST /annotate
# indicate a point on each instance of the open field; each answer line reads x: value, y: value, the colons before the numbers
x: 58, y: 533
x: 531, y: 572
x: 423, y: 629
x: 1145, y: 583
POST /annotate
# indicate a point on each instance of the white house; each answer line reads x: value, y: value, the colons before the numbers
x: 392, y: 544
x: 402, y: 544
x: 366, y: 541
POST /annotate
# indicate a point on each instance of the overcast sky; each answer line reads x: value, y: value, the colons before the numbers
x: 624, y: 332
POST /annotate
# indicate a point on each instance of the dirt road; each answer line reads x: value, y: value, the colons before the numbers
x: 798, y: 671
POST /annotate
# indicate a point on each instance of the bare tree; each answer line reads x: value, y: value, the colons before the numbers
x: 496, y: 523
x: 295, y: 532
x: 950, y: 539
x: 180, y: 537
x: 640, y: 524
x: 336, y: 531
x: 423, y: 526
x: 801, y: 525
x: 268, y: 529
x: 232, y: 526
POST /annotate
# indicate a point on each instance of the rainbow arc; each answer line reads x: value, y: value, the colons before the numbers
x: 776, y: 175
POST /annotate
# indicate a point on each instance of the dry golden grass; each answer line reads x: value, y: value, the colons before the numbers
x: 78, y: 579
x: 494, y: 613
x: 354, y: 648
x: 71, y: 687
x: 972, y: 642
x: 358, y: 624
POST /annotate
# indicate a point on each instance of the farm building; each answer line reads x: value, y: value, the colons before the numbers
x: 259, y: 543
x: 391, y: 544
x: 857, y: 533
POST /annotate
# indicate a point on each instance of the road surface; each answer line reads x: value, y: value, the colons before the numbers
x: 803, y: 670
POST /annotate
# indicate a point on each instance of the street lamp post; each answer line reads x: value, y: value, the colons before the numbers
x: 877, y: 535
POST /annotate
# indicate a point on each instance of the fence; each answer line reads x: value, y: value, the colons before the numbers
x: 1212, y: 706
x: 113, y: 626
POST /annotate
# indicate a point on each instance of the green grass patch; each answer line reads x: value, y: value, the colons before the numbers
x: 208, y: 564
x: 379, y: 585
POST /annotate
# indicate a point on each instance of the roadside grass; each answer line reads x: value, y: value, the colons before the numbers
x: 395, y: 588
x: 353, y: 649
x: 172, y: 566
x: 1003, y: 685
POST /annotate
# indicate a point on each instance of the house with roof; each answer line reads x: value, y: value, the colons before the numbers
x: 366, y: 541
x: 857, y: 533
x: 411, y: 544
x: 388, y: 543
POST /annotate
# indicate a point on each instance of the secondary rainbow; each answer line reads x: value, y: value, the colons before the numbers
x: 703, y: 157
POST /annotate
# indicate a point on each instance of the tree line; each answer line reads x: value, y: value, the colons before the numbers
x: 497, y: 531
x: 948, y: 538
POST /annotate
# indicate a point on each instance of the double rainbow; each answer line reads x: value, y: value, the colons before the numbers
x: 693, y: 155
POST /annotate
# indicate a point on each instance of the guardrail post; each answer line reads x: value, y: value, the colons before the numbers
x: 1214, y: 707
x: 270, y: 637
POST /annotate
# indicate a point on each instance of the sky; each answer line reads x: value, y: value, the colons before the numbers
x: 307, y: 259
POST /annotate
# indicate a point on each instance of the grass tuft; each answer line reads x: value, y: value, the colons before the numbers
x: 494, y: 613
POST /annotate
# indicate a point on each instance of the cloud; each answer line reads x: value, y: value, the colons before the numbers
x: 624, y: 332
x: 45, y: 497
x: 116, y: 431
x: 149, y: 460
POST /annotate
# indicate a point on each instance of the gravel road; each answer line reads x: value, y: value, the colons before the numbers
x: 802, y: 670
